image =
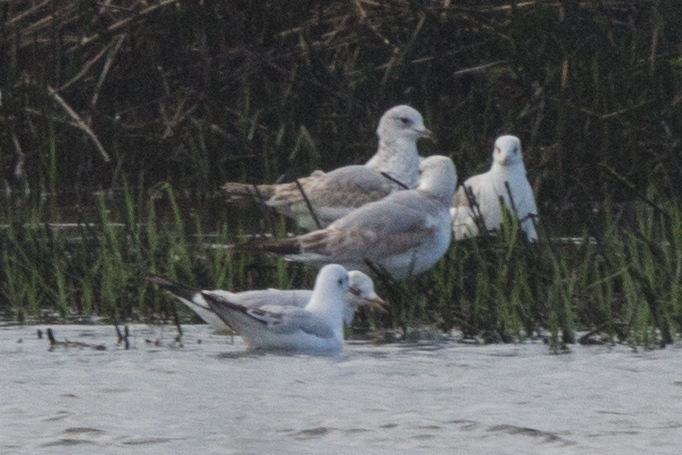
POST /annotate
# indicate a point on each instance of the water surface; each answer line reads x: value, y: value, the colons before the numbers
x: 211, y: 397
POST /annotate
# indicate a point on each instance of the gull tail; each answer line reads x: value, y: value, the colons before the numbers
x: 246, y: 190
x: 194, y: 300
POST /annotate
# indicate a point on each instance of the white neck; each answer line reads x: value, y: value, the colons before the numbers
x: 441, y: 187
x: 440, y: 193
x: 498, y: 168
x: 399, y: 158
x: 328, y: 304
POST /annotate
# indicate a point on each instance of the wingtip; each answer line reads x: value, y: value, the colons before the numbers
x: 177, y: 289
x: 158, y: 280
x: 247, y: 190
x: 278, y: 246
x: 222, y: 306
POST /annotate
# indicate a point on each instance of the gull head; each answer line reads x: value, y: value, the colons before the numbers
x: 333, y: 278
x: 402, y: 122
x: 362, y: 289
x: 507, y: 151
x: 438, y: 176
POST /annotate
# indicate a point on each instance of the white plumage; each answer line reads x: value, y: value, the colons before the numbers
x: 334, y: 194
x: 489, y: 187
x: 405, y: 233
x: 316, y: 328
x: 361, y: 293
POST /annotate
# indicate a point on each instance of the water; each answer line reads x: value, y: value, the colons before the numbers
x: 211, y: 397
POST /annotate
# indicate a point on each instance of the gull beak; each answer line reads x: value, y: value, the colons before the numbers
x: 377, y: 303
x: 425, y: 133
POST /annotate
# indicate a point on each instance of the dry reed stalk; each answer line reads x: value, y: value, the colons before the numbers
x: 79, y: 122
x: 105, y: 70
x: 124, y: 22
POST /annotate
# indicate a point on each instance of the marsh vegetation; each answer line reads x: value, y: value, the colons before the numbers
x: 124, y: 118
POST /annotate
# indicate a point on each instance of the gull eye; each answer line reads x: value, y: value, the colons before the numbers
x: 497, y: 150
x: 340, y: 281
x: 405, y: 120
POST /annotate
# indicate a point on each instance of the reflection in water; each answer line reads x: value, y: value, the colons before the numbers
x: 213, y: 396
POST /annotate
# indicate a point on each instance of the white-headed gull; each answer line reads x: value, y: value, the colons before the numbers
x: 335, y: 194
x: 506, y: 176
x: 404, y: 234
x: 361, y: 293
x: 315, y: 328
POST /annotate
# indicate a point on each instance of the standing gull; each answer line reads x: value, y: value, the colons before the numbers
x: 361, y: 293
x: 487, y: 189
x: 335, y: 194
x: 316, y: 328
x: 405, y: 233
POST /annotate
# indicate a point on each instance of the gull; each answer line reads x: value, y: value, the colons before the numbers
x: 404, y: 234
x: 361, y: 293
x: 315, y: 328
x: 507, y: 175
x: 335, y: 194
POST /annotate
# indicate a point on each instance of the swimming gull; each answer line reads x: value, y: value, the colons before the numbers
x: 335, y: 194
x: 316, y: 328
x: 404, y: 234
x: 507, y: 175
x: 361, y: 293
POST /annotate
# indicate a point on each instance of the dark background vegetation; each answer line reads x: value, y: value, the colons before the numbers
x: 199, y: 92
x: 98, y: 95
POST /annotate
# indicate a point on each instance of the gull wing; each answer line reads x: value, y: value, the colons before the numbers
x: 282, y: 320
x: 376, y: 230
